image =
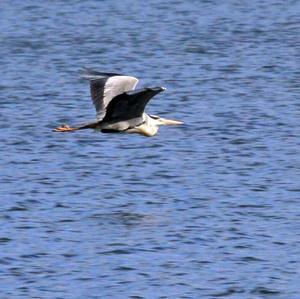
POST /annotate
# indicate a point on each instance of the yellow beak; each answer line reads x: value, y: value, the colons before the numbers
x: 166, y: 121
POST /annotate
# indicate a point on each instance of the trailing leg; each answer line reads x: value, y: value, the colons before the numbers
x: 66, y: 128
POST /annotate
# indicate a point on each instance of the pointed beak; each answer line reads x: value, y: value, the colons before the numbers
x: 166, y: 121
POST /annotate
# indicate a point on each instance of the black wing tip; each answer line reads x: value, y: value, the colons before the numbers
x: 88, y: 73
x: 154, y: 90
x: 159, y: 88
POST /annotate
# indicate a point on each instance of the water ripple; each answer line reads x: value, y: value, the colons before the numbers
x: 205, y: 210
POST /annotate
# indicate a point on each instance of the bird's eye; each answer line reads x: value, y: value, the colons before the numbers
x: 154, y: 116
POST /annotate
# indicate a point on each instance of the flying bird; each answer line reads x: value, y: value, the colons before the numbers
x: 119, y: 106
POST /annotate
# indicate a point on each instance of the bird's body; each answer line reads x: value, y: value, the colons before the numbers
x: 119, y: 107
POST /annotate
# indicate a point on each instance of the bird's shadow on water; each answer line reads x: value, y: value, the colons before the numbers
x: 121, y: 217
x: 133, y: 213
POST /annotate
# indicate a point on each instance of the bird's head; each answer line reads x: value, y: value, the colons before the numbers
x: 159, y: 121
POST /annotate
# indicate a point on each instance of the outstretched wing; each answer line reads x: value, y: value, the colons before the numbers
x: 130, y: 105
x: 105, y: 86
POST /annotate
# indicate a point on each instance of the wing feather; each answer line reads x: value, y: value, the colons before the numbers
x: 130, y: 105
x: 106, y: 86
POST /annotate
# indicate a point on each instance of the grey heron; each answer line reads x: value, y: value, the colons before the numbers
x: 119, y: 106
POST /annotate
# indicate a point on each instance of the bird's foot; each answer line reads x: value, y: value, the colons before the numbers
x: 64, y: 128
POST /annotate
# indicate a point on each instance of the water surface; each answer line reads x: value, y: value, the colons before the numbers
x: 206, y: 210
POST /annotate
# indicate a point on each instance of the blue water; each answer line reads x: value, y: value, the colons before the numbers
x: 206, y: 210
